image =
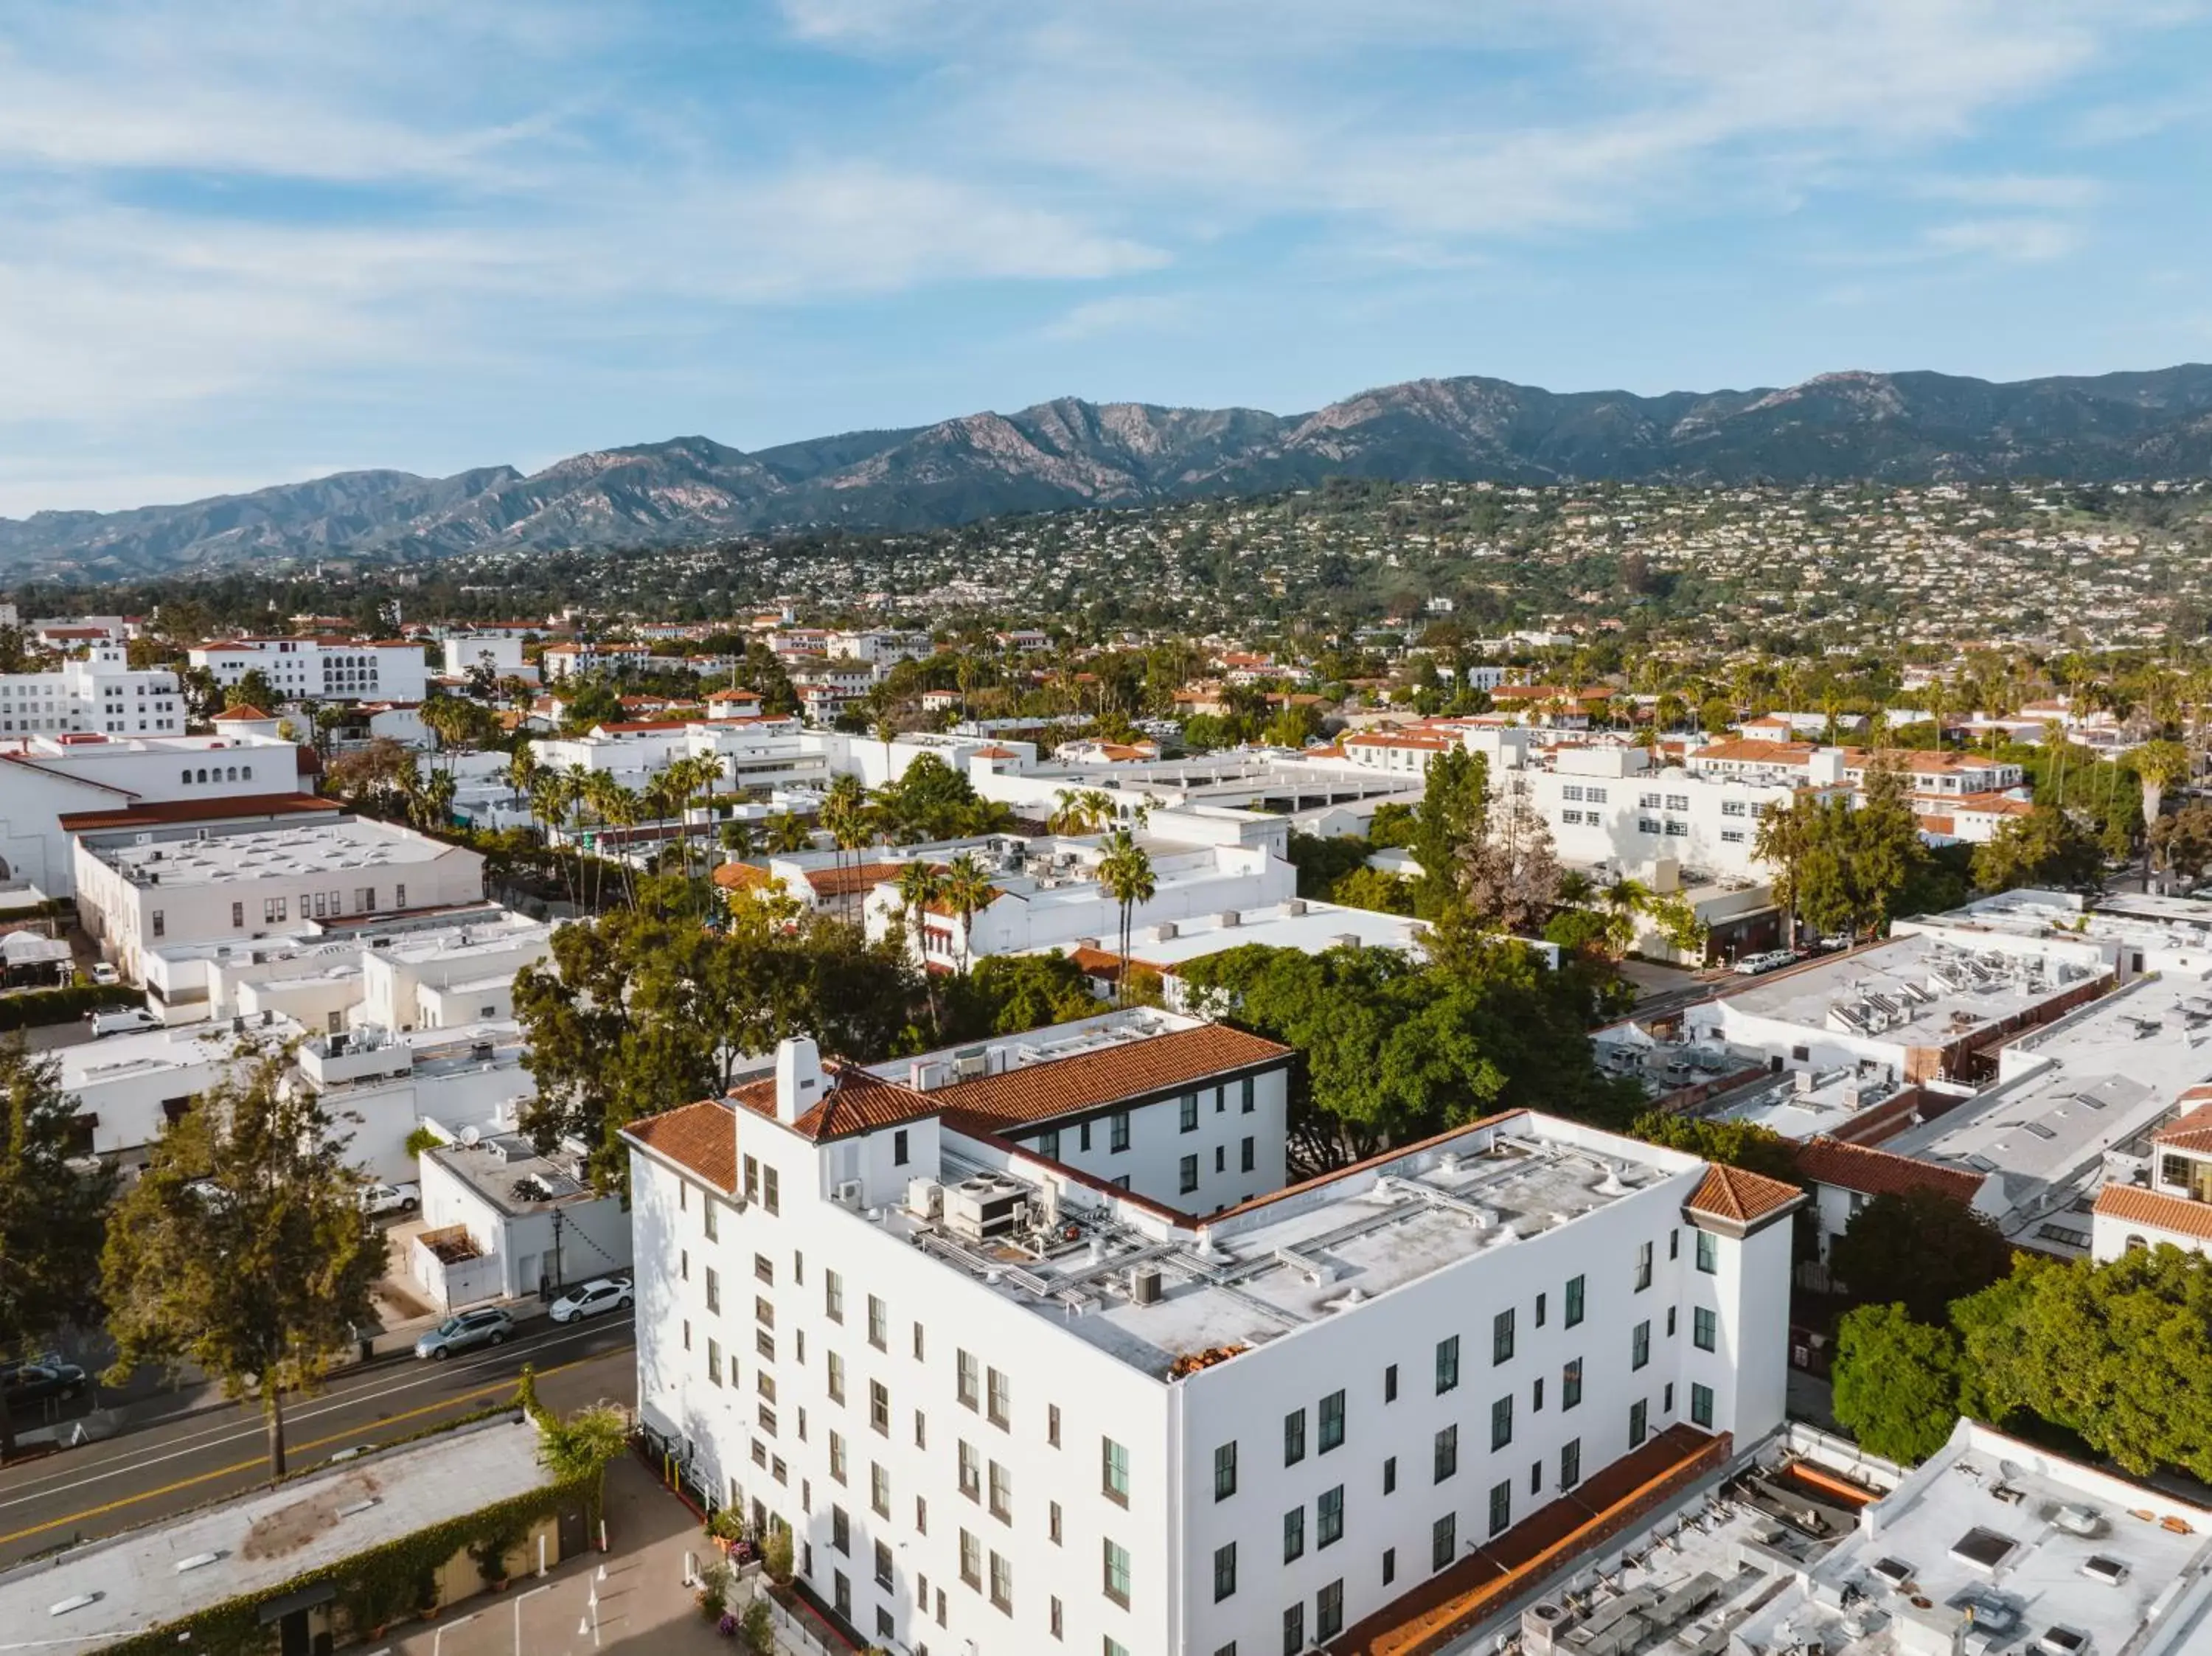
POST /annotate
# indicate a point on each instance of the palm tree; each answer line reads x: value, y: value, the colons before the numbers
x: 2160, y: 764
x: 738, y: 840
x: 1125, y: 871
x: 788, y: 833
x: 966, y: 889
x: 919, y: 886
x: 521, y: 772
x: 844, y: 814
x: 1080, y: 811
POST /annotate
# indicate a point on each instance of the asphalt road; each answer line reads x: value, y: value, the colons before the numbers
x: 122, y: 1482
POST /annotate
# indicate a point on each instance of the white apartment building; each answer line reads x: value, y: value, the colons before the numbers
x: 98, y: 692
x: 2171, y: 1207
x: 235, y: 883
x: 501, y: 652
x: 1006, y: 1407
x: 321, y: 669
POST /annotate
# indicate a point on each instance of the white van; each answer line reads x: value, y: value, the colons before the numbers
x: 122, y: 1021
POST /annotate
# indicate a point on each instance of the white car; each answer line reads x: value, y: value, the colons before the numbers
x: 377, y: 1199
x: 600, y: 1293
x: 105, y: 975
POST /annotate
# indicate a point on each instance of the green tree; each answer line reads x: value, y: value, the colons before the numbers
x: 1920, y: 1249
x: 252, y: 690
x: 53, y: 1211
x: 2046, y: 848
x: 1451, y: 817
x: 1004, y: 994
x: 1896, y: 1382
x: 1737, y: 1144
x: 241, y: 1249
x: 2183, y: 841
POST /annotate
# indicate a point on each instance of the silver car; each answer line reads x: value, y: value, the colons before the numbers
x: 464, y: 1332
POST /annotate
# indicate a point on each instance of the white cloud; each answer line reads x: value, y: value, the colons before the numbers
x: 2013, y: 240
x: 1121, y: 313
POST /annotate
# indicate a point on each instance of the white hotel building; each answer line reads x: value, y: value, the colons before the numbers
x: 1008, y: 1404
x: 100, y: 692
x: 320, y: 669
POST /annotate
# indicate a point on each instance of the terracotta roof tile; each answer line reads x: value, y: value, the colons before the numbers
x: 1744, y: 1197
x: 158, y: 813
x: 1038, y: 1092
x: 1879, y: 1173
x: 856, y: 1103
x: 747, y: 876
x: 2191, y: 1131
x: 2133, y: 1206
x: 700, y: 1137
x: 858, y: 877
x: 244, y: 713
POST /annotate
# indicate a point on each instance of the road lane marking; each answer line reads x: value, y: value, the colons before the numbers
x: 210, y: 1437
x: 263, y: 1460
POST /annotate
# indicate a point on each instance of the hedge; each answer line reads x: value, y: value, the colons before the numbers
x: 35, y: 1008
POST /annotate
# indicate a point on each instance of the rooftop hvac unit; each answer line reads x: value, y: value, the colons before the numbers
x: 847, y: 1193
x: 1296, y: 907
x: 1165, y: 931
x: 1230, y: 917
x: 925, y: 1198
x: 1145, y: 1285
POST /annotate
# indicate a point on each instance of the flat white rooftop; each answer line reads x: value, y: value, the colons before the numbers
x: 1912, y: 991
x: 1266, y: 1271
x: 289, y: 851
x: 132, y: 1582
x: 1804, y: 1104
x: 1307, y: 927
x: 156, y: 1051
x: 1995, y: 1539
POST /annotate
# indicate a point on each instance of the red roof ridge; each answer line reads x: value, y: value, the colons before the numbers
x: 2132, y: 1205
x: 702, y: 1138
x: 1739, y: 1196
x: 1872, y: 1172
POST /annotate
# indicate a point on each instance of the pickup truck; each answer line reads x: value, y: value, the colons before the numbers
x: 378, y: 1199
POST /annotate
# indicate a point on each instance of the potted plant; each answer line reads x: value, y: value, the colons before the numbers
x: 713, y: 1591
x: 426, y: 1594
x: 490, y: 1551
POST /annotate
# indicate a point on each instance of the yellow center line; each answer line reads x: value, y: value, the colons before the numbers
x: 508, y: 1385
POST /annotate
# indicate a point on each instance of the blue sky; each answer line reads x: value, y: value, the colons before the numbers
x: 241, y: 244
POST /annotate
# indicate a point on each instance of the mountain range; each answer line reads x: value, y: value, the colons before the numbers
x: 1890, y: 428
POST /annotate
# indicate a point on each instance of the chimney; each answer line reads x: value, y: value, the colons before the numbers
x: 798, y: 1076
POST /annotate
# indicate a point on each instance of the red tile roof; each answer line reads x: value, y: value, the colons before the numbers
x: 1753, y: 752
x: 238, y: 807
x: 2191, y: 1131
x: 2134, y: 1206
x: 244, y: 713
x: 1038, y: 1092
x: 701, y: 1138
x: 857, y: 876
x: 1879, y: 1173
x: 856, y: 1103
x: 1744, y: 1197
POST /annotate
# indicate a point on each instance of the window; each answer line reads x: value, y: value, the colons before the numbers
x: 1294, y: 1534
x: 1674, y: 1242
x: 1221, y: 1158
x: 1574, y: 1311
x: 1701, y: 1328
x: 1501, y: 1507
x: 1113, y: 1471
x: 883, y: 1565
x: 880, y: 1324
x: 833, y: 1296
x: 1571, y: 1463
x: 399, y: 896
x: 161, y: 923
x: 1667, y: 1400
x: 1225, y: 1571
x: 1501, y: 1421
x: 1331, y: 1421
x: 1536, y: 1396
x: 841, y: 1531
x: 1189, y: 1175
x: 1224, y: 1470
x: 1188, y: 1115
x: 999, y: 1395
x: 1649, y: 825
x: 707, y: 1220
x: 1638, y: 1419
x: 713, y: 1362
x: 1048, y: 1144
x: 1640, y: 1344
x: 764, y: 1270
x: 1443, y: 1541
x: 1052, y: 1522
x: 971, y: 1560
x: 1709, y: 1253
x: 879, y: 1489
x: 1731, y: 836
x: 898, y: 1147
x: 1670, y: 1322
x: 1329, y: 1611
x: 714, y: 1289
x: 238, y: 914
x: 1294, y: 1437
x: 879, y: 1408
x: 1501, y: 1336
x: 1446, y: 1454
x: 1701, y: 1405
x: 1390, y: 1475
x: 1390, y: 1384
x: 967, y: 1377
x: 1389, y: 1565
x: 771, y: 1191
x: 838, y: 1462
x: 1596, y: 797
x: 836, y: 1376
x: 1447, y: 1364
x: 1328, y: 1513
x: 1294, y: 1629
x: 1642, y: 1266
x: 1539, y: 1311
x: 1118, y: 1574
x: 1002, y: 1493
x: 1677, y: 802
x: 1052, y: 1424
x: 1117, y: 1132
x: 1245, y: 1108
x: 1570, y: 1384
x: 1732, y: 807
x: 1245, y: 1161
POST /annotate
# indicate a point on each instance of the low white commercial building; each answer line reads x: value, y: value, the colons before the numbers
x: 1006, y: 1405
x: 501, y: 1222
x: 312, y: 669
x: 500, y: 654
x: 224, y: 882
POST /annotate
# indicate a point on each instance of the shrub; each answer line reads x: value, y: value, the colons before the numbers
x: 422, y: 1139
x: 775, y: 1557
x: 36, y: 1008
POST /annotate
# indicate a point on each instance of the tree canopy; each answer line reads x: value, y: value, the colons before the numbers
x: 1896, y: 1382
x: 1919, y: 1249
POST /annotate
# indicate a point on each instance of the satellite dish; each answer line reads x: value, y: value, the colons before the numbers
x: 469, y: 1136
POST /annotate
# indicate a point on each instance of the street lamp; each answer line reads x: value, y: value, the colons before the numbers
x: 438, y: 1638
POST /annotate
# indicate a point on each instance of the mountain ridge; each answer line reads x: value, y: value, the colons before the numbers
x: 1908, y: 426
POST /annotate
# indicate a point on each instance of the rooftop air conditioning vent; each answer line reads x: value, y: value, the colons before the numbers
x: 2085, y: 1521
x: 2100, y: 1566
x: 2059, y: 1641
x: 1895, y: 1571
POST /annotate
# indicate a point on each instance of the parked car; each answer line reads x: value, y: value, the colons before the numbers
x: 22, y: 1383
x: 106, y: 974
x: 1752, y: 965
x: 600, y: 1293
x: 377, y: 1199
x: 123, y: 1020
x: 486, y: 1326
